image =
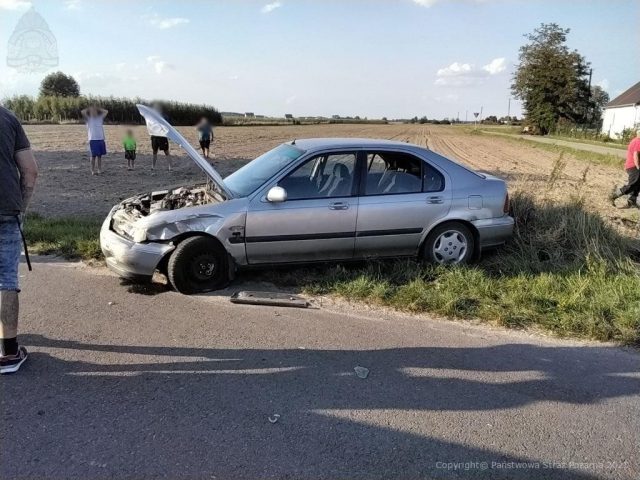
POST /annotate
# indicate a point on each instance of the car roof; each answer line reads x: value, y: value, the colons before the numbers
x: 313, y: 144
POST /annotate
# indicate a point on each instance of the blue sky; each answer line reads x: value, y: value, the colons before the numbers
x: 394, y: 58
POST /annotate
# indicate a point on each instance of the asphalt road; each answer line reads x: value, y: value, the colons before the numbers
x: 158, y: 385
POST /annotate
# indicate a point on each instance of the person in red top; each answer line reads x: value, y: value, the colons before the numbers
x: 632, y: 166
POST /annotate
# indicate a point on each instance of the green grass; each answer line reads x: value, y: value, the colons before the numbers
x: 583, y: 155
x: 70, y: 238
x: 611, y: 144
x: 566, y: 271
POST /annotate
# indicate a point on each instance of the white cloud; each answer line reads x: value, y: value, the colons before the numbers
x: 604, y: 84
x: 14, y: 4
x: 456, y: 69
x: 497, y: 65
x: 73, y: 4
x: 163, y: 23
x: 467, y: 74
x: 270, y: 7
x: 159, y: 65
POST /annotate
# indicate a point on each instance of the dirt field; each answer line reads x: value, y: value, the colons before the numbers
x: 66, y: 187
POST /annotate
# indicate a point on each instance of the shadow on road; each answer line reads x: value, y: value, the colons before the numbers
x: 203, y: 413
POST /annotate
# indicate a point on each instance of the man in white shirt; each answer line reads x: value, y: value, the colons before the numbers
x: 94, y: 117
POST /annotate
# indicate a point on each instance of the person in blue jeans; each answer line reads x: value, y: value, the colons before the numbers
x: 18, y: 172
x: 94, y: 118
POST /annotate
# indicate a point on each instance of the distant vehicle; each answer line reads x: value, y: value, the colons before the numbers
x: 306, y: 201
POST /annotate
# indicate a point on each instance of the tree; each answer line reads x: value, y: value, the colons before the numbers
x: 599, y: 99
x: 551, y: 80
x: 59, y: 85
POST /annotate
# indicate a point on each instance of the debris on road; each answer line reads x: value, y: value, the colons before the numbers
x: 361, y: 372
x: 274, y: 418
x: 270, y: 299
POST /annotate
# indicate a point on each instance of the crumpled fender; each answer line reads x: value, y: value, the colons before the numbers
x: 165, y: 231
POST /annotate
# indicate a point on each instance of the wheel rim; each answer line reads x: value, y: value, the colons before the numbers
x: 450, y: 247
x: 204, y: 267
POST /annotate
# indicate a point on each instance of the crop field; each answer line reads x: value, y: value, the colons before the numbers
x: 65, y: 187
x: 571, y: 269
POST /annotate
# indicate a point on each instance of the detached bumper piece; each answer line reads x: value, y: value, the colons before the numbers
x: 270, y: 299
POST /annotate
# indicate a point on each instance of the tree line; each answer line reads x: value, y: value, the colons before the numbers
x: 121, y: 110
x: 60, y: 101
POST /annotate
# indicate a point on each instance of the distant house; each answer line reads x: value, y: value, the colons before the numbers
x: 288, y: 116
x: 249, y: 115
x: 622, y: 112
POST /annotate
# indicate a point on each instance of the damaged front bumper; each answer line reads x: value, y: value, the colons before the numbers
x: 128, y: 259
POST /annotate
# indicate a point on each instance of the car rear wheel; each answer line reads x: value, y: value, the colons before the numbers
x: 449, y: 244
x: 198, y: 264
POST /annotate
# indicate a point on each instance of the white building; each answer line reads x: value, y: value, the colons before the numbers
x: 622, y: 112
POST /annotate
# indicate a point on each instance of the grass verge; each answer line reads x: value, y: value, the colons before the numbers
x: 566, y: 271
x: 68, y: 237
x: 611, y: 144
x: 583, y: 155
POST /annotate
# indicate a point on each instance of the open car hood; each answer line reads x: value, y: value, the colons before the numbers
x: 158, y: 126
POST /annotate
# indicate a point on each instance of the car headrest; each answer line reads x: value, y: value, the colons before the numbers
x: 340, y: 170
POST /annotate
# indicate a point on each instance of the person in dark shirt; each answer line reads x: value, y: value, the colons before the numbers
x: 18, y: 172
x: 205, y: 136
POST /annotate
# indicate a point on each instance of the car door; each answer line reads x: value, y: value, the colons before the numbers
x: 316, y: 222
x: 400, y: 196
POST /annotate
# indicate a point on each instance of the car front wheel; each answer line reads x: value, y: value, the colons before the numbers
x: 449, y: 244
x: 198, y: 265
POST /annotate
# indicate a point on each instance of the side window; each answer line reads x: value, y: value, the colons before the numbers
x: 391, y: 173
x: 433, y: 181
x: 325, y: 176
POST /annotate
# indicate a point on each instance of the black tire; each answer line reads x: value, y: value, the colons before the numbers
x: 449, y: 250
x: 198, y: 265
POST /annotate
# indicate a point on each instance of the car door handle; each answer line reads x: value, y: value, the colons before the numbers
x: 339, y: 206
x: 436, y: 199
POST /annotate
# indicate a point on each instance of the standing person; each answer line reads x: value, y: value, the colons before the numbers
x: 159, y: 142
x: 205, y: 135
x: 130, y: 146
x: 18, y: 172
x: 94, y: 117
x: 632, y: 166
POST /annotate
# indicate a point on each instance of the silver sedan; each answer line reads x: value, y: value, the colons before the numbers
x: 312, y: 200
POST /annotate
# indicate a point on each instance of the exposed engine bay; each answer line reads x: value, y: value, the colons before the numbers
x: 140, y: 206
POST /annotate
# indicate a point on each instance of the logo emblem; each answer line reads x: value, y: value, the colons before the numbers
x: 32, y: 46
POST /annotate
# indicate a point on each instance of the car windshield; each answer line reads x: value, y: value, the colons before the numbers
x: 253, y: 175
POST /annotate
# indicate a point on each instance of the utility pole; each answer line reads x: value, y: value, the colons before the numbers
x: 466, y: 116
x: 509, y: 112
x: 589, y: 98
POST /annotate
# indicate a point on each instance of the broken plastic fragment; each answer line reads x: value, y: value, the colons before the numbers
x: 361, y: 372
x: 274, y: 418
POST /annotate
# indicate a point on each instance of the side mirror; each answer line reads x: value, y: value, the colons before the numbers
x: 277, y: 195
